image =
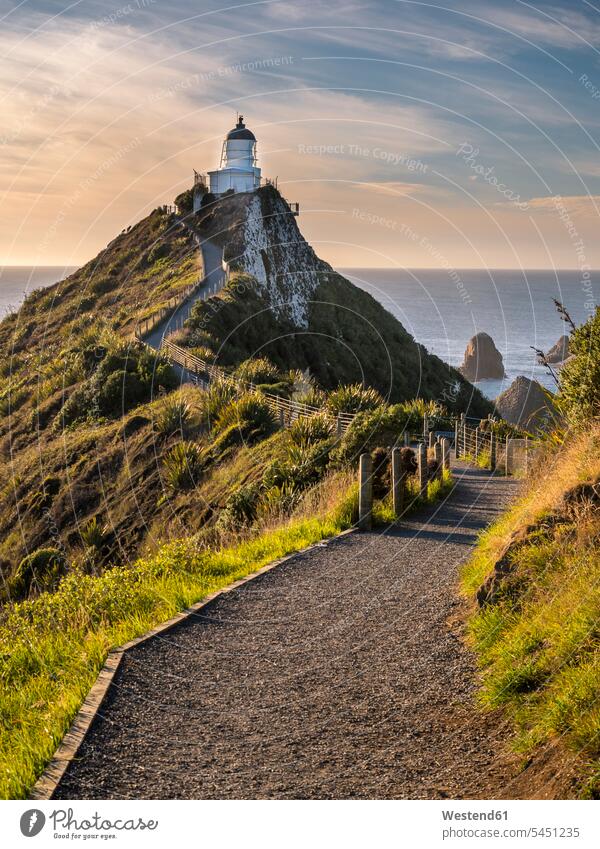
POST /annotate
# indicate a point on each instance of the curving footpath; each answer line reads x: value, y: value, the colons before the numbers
x: 341, y: 673
x: 213, y: 280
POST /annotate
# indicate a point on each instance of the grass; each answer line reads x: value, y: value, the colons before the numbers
x: 482, y: 460
x: 538, y: 645
x: 383, y: 510
x: 52, y: 647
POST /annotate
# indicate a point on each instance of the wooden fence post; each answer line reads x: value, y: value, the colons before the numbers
x: 281, y: 418
x: 422, y: 468
x: 425, y: 428
x: 465, y: 445
x: 365, y: 493
x: 398, y: 476
x: 431, y: 439
x: 477, y: 442
x: 446, y: 453
x: 507, y: 457
x: 456, y: 439
x: 493, y: 451
x: 338, y: 426
x: 438, y: 459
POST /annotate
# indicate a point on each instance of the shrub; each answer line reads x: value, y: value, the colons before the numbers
x: 185, y: 201
x: 384, y: 426
x: 501, y: 428
x: 301, y: 383
x: 249, y: 415
x: 301, y: 466
x: 183, y: 466
x: 312, y: 398
x: 353, y: 398
x: 306, y: 431
x: 93, y: 534
x: 437, y: 414
x: 579, y: 391
x: 121, y: 377
x: 212, y: 402
x: 39, y: 500
x: 173, y: 416
x: 278, y: 500
x: 195, y: 337
x: 158, y: 252
x: 121, y: 391
x: 408, y: 461
x: 241, y: 507
x: 202, y: 352
x: 40, y: 571
x: 382, y: 477
x: 259, y: 370
x: 103, y: 285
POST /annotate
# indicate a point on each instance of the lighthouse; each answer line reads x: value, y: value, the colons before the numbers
x: 237, y: 170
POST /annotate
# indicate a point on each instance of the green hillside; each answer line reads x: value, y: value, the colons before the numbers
x: 535, y: 583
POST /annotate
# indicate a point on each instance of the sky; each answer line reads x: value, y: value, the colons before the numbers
x: 413, y: 134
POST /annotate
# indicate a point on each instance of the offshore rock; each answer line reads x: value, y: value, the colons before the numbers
x: 525, y: 404
x: 482, y: 359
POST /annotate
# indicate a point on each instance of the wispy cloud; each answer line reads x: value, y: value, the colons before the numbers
x: 549, y: 25
x: 385, y: 83
x: 576, y: 205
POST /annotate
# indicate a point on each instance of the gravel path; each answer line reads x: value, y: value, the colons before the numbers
x: 214, y: 280
x: 338, y: 674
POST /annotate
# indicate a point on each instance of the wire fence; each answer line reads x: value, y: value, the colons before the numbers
x: 478, y: 444
x: 512, y: 455
x: 286, y: 409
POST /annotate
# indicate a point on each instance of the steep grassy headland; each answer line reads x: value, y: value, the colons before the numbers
x: 79, y: 400
x: 131, y: 278
x: 69, y: 377
x: 129, y: 496
x: 535, y: 580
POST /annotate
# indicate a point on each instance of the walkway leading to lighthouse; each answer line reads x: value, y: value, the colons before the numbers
x: 214, y: 279
x: 338, y: 674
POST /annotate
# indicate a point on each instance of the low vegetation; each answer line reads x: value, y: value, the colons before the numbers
x: 342, y: 319
x: 220, y: 479
x: 53, y: 645
x: 580, y: 376
x: 535, y: 580
x: 130, y: 497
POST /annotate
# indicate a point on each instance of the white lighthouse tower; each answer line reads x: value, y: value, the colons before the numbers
x: 238, y: 170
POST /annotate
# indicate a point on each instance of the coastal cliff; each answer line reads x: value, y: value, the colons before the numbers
x: 296, y: 309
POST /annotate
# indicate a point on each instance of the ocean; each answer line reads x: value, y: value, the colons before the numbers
x: 516, y: 308
x: 440, y: 311
x: 17, y: 281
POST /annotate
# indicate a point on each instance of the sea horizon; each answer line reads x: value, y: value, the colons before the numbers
x: 441, y: 308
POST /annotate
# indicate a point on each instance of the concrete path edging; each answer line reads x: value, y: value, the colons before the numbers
x: 46, y: 785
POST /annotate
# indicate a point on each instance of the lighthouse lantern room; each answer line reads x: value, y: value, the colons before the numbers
x: 238, y: 170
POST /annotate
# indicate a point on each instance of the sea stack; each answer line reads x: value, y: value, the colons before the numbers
x: 525, y: 404
x: 482, y: 359
x: 559, y: 352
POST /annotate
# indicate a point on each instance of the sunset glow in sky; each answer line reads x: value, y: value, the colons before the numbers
x: 412, y: 134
